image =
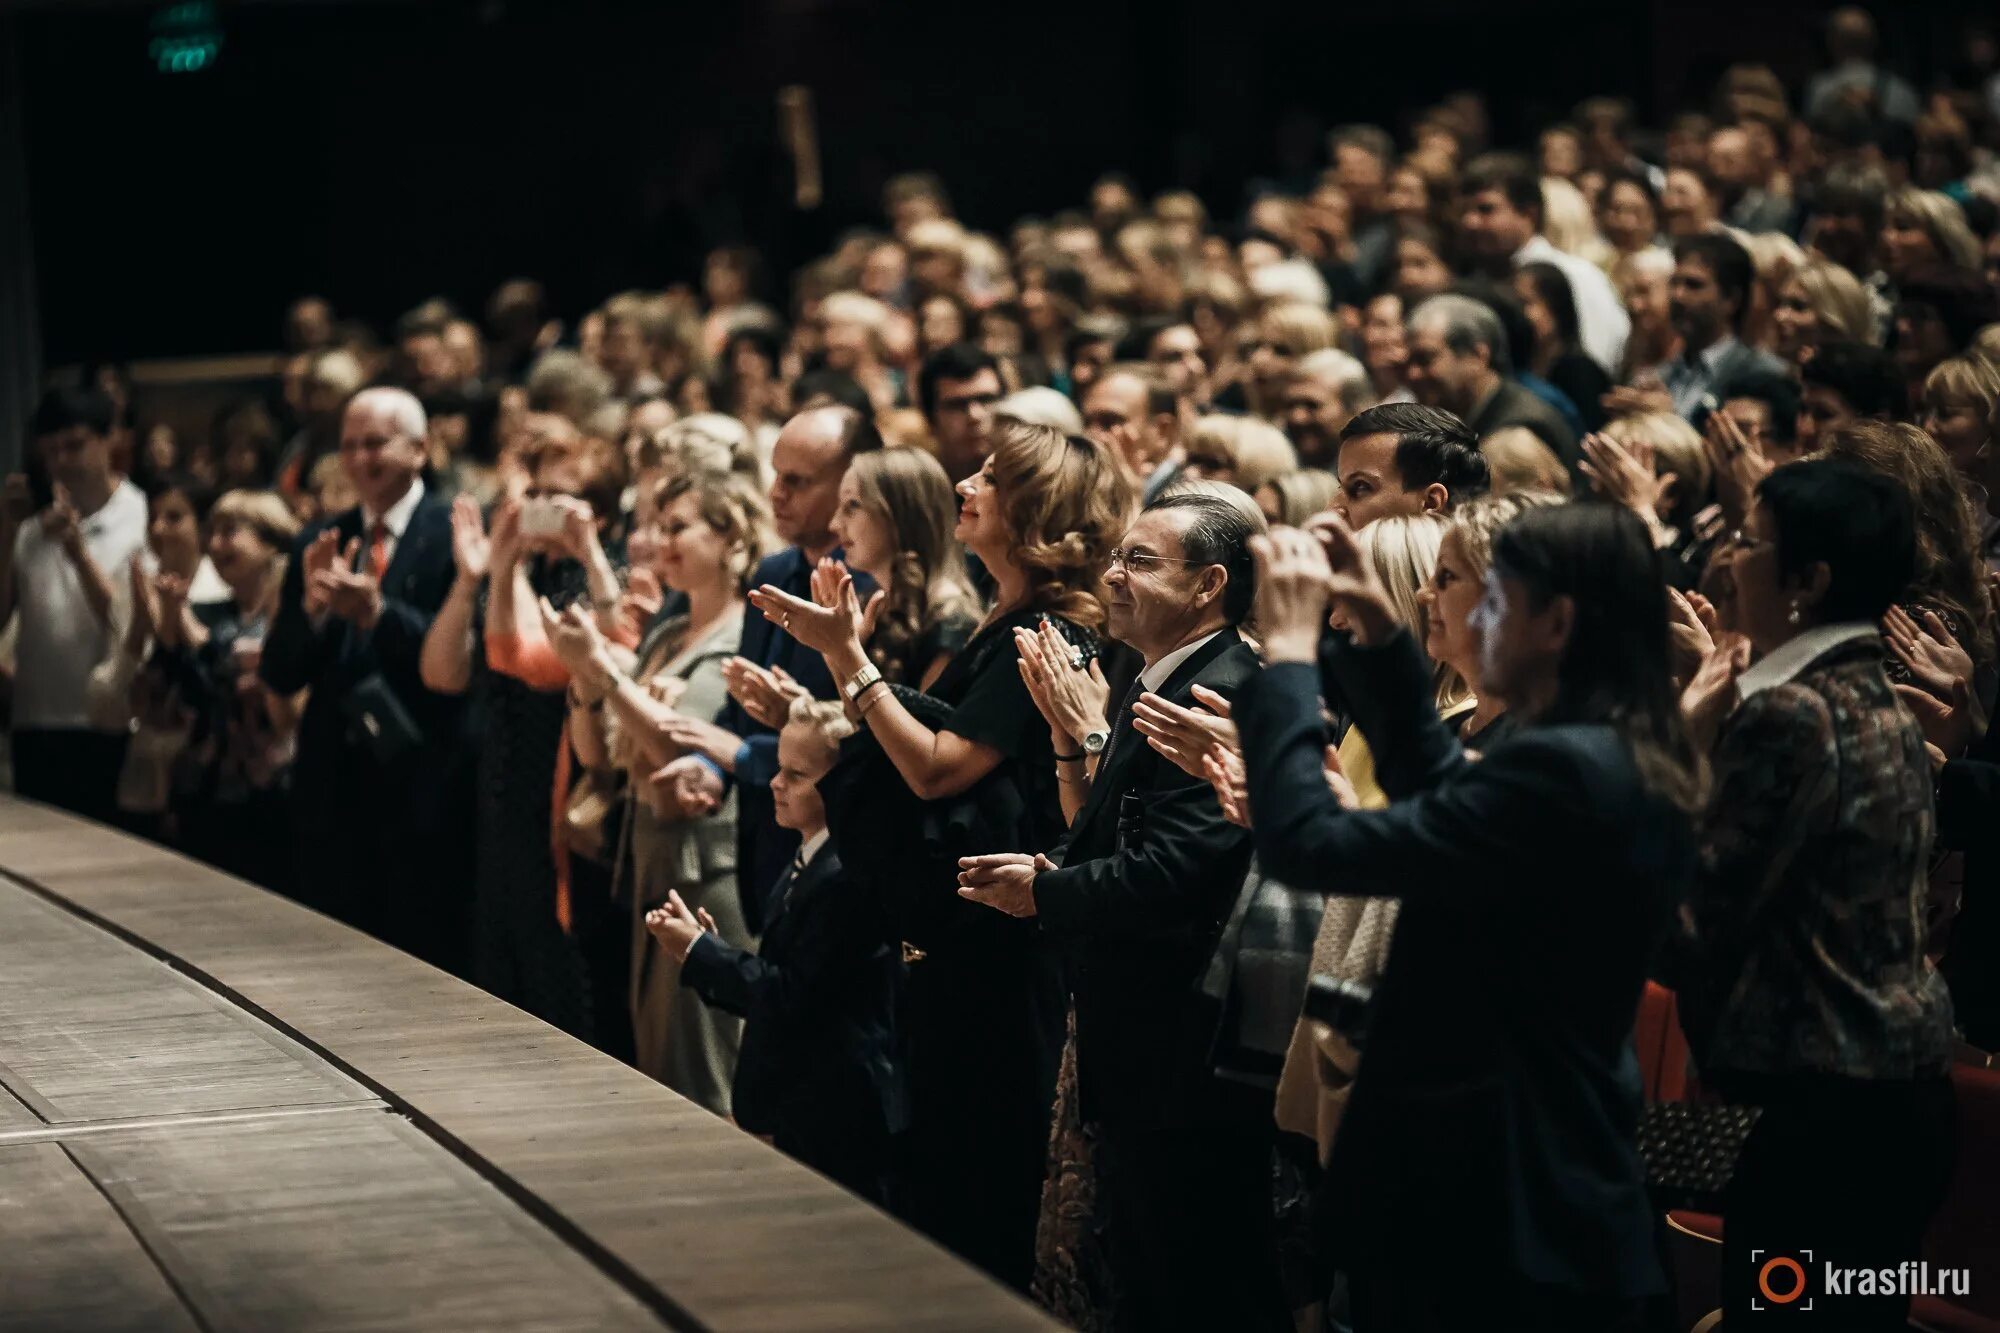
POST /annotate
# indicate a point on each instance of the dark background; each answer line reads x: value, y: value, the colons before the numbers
x: 379, y: 153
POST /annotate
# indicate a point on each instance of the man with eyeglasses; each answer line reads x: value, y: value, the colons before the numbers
x: 1147, y: 876
x: 958, y: 387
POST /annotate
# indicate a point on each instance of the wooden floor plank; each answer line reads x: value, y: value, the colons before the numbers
x: 91, y: 1029
x: 732, y: 1234
x: 67, y: 1260
x: 347, y: 1221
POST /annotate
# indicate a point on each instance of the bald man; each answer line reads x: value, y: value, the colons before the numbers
x: 380, y: 797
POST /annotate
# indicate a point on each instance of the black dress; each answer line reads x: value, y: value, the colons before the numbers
x: 984, y: 1011
x: 520, y: 951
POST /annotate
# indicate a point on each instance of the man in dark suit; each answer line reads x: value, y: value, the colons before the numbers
x: 379, y: 796
x: 1458, y: 360
x: 1707, y: 301
x: 1148, y: 874
x: 807, y: 462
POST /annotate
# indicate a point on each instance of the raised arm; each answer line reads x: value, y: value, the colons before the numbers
x: 934, y: 764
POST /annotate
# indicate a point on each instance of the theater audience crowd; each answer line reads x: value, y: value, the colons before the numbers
x: 1161, y: 744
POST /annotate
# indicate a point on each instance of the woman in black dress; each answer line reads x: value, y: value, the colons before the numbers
x: 488, y: 642
x: 984, y: 1007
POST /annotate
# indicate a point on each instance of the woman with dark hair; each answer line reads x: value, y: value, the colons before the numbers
x: 964, y: 767
x: 1550, y: 307
x: 749, y: 385
x: 1805, y: 989
x: 1515, y: 1156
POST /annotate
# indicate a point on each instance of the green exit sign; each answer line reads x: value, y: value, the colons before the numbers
x: 186, y: 38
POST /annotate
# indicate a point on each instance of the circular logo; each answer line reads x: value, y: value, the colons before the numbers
x: 1785, y: 1263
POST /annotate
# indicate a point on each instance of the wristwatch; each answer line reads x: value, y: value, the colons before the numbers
x: 861, y: 680
x: 1095, y: 741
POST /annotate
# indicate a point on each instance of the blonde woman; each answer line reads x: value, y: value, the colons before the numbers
x: 1518, y: 460
x: 1820, y: 302
x: 1243, y: 452
x: 1925, y: 227
x: 711, y: 533
x: 970, y: 759
x: 231, y: 805
x: 1286, y: 333
x: 1353, y: 941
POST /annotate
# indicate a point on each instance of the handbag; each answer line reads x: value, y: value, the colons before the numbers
x: 591, y: 815
x: 378, y: 719
x: 1691, y: 1150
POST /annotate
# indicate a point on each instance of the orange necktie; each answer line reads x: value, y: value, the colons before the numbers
x: 378, y: 550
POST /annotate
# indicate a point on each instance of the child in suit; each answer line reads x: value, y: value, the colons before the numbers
x: 817, y: 1076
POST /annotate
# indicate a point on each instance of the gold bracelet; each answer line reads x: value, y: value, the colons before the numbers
x: 872, y: 695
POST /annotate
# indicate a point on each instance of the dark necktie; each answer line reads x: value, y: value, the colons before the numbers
x: 1121, y: 723
x: 791, y: 879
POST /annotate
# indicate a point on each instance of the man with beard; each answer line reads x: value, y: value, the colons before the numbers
x: 1707, y: 300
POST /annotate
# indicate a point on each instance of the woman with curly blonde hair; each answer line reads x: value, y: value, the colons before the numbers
x: 968, y: 765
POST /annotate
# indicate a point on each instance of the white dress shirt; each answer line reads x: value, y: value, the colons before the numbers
x: 396, y: 520
x: 60, y: 640
x: 1154, y: 676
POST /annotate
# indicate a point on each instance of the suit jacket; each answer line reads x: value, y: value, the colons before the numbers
x: 1968, y: 819
x: 818, y: 997
x: 1150, y: 870
x: 1512, y: 405
x: 335, y: 769
x: 1498, y: 1097
x: 763, y: 850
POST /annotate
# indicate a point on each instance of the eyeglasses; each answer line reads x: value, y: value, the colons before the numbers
x: 1739, y: 540
x: 1138, y: 562
x: 967, y: 402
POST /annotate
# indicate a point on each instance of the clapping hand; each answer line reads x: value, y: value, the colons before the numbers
x: 349, y: 593
x: 687, y: 788
x: 1337, y: 780
x: 697, y: 736
x: 319, y: 557
x: 1186, y: 735
x: 1072, y: 698
x: 471, y: 548
x: 1623, y: 474
x: 833, y: 620
x: 1949, y: 724
x: 1004, y: 881
x: 1740, y: 466
x: 1935, y: 660
x: 1691, y: 624
x: 765, y: 695
x: 17, y: 502
x: 1710, y: 697
x: 676, y: 927
x: 1227, y: 773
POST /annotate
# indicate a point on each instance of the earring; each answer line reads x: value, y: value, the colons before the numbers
x: 1793, y: 618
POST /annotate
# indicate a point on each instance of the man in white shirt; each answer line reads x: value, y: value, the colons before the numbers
x: 56, y: 572
x: 1500, y: 223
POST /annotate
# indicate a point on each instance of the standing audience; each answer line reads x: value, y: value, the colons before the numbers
x: 780, y: 754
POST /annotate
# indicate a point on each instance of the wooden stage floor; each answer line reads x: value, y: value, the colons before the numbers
x: 220, y: 1111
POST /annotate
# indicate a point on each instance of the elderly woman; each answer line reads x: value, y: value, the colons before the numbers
x: 1806, y: 990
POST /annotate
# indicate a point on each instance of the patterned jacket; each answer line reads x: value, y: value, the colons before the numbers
x: 1807, y: 915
